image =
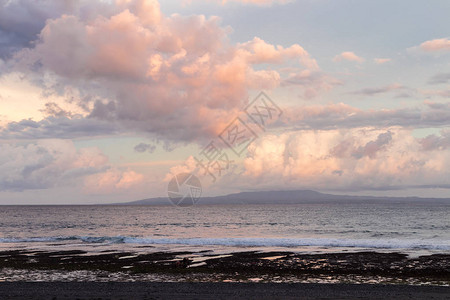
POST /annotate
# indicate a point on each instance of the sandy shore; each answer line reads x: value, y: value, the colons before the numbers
x: 140, y: 290
x: 245, y: 275
x: 267, y: 267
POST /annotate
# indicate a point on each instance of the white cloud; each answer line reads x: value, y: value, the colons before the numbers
x: 58, y: 163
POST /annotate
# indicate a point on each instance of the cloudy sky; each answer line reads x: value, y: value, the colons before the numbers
x: 104, y: 101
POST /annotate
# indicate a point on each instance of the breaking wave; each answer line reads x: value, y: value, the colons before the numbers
x: 248, y: 242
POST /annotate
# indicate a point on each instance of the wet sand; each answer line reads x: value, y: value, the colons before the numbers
x: 141, y: 290
x: 358, y: 267
x: 243, y: 275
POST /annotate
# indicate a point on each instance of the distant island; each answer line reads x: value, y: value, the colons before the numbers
x: 285, y: 197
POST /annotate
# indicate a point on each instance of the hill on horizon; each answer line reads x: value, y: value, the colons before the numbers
x: 283, y: 197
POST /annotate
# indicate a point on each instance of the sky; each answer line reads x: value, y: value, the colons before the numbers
x: 106, y: 101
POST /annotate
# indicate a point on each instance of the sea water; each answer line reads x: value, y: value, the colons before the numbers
x: 415, y: 228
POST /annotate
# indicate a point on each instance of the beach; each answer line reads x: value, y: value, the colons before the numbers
x: 253, y: 266
x: 310, y: 251
x: 224, y: 149
x: 243, y: 275
x: 151, y: 290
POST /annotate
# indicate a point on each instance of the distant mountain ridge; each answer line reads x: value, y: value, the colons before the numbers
x: 284, y: 197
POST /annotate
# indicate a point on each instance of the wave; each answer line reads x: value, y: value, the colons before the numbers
x: 249, y: 242
x: 298, y: 242
x: 85, y: 239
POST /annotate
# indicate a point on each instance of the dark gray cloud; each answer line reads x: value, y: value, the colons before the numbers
x: 438, y: 93
x: 347, y: 148
x: 53, y: 109
x: 440, y: 78
x: 436, y: 142
x: 372, y: 147
x: 344, y: 116
x: 142, y: 147
x: 21, y: 21
x: 57, y: 127
x: 377, y: 90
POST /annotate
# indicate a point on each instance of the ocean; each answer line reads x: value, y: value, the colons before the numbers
x: 417, y: 228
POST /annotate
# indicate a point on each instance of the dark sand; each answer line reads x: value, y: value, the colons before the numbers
x: 281, y: 275
x: 141, y: 290
x: 359, y: 267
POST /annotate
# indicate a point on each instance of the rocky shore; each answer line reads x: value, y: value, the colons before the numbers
x: 358, y: 267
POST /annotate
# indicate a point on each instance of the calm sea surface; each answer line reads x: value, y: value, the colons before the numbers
x: 414, y: 228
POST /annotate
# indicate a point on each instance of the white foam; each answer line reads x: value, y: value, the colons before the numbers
x: 250, y: 242
x: 298, y: 242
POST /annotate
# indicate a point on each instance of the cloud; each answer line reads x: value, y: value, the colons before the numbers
x: 436, y: 142
x: 259, y: 2
x: 337, y: 146
x: 360, y: 158
x: 340, y: 147
x: 349, y: 56
x: 112, y: 181
x: 440, y: 78
x: 142, y: 147
x: 300, y: 117
x: 437, y: 105
x: 46, y: 164
x: 53, y: 109
x: 380, y: 61
x: 61, y: 127
x: 254, y: 2
x: 52, y: 163
x: 313, y: 82
x: 438, y: 93
x: 258, y: 51
x: 22, y: 20
x: 173, y: 77
x: 378, y: 90
x: 442, y: 44
x: 371, y: 148
x: 340, y: 115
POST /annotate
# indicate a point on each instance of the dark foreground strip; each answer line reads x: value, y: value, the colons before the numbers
x: 427, y: 268
x: 143, y: 290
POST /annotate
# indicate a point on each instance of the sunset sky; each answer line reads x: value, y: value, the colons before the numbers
x: 104, y: 101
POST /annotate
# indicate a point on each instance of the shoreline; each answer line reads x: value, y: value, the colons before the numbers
x: 251, y: 266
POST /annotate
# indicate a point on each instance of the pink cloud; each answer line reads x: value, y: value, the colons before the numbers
x: 341, y: 115
x: 436, y: 45
x: 176, y: 77
x: 258, y: 51
x: 342, y: 147
x: 346, y: 159
x: 112, y: 181
x: 349, y: 56
x: 434, y: 93
x: 332, y: 111
x: 58, y: 163
x: 313, y: 82
x: 380, y: 61
x: 255, y: 2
